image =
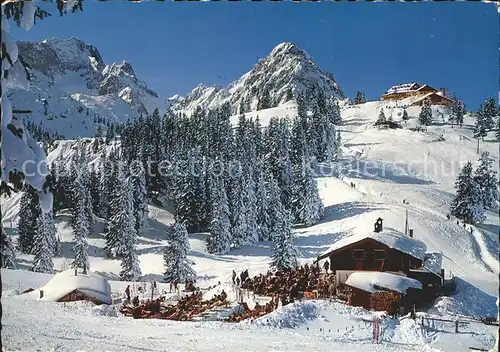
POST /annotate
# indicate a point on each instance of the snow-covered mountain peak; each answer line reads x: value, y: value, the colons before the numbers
x: 286, y: 69
x: 71, y: 88
x: 58, y: 56
x: 119, y: 69
x: 288, y: 49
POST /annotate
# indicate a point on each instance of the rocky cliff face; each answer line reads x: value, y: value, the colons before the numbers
x: 71, y: 87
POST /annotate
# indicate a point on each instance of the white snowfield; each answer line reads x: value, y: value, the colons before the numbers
x: 369, y: 281
x: 387, y: 167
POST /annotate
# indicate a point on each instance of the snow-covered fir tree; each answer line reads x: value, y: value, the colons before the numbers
x: 307, y: 206
x: 264, y: 100
x: 359, y: 98
x: 261, y: 195
x: 284, y: 252
x: 219, y: 240
x: 44, y: 244
x: 29, y: 211
x: 239, y: 213
x: 108, y: 182
x: 8, y: 254
x: 457, y: 112
x: 425, y: 116
x: 467, y: 204
x: 324, y: 135
x: 126, y: 248
x: 122, y: 222
x: 289, y: 94
x: 405, y: 115
x: 277, y: 157
x: 487, y: 112
x: 140, y: 196
x: 189, y: 189
x: 381, y: 116
x: 95, y: 192
x: 81, y: 223
x: 336, y: 117
x: 250, y: 201
x: 80, y: 187
x: 177, y: 265
x: 480, y: 126
x: 485, y: 178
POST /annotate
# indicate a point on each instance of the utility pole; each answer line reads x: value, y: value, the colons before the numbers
x: 477, y: 145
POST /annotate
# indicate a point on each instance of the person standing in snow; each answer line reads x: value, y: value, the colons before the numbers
x: 223, y: 295
x: 326, y: 266
x: 234, y: 277
x: 127, y: 292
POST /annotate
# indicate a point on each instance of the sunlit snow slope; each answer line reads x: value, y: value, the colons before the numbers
x: 387, y: 167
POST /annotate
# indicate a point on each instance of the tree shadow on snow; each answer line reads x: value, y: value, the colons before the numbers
x: 220, y: 258
x: 348, y: 145
x: 260, y: 249
x: 314, y: 245
x: 157, y: 249
x: 373, y: 171
x: 94, y: 251
x: 156, y: 231
x: 346, y: 210
x: 491, y: 236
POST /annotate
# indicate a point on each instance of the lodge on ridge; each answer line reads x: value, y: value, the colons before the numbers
x: 413, y: 94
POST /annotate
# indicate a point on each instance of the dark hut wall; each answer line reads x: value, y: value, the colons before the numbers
x: 369, y: 254
x: 79, y: 296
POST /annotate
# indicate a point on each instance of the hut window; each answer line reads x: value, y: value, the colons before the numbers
x: 379, y: 254
x: 357, y: 253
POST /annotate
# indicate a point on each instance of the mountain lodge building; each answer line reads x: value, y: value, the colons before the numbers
x: 414, y: 94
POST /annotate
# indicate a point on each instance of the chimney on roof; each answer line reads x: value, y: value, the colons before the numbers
x: 411, y: 233
x: 378, y: 225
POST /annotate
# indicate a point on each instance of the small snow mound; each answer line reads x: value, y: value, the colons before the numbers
x: 404, y: 331
x: 289, y: 316
x: 467, y: 301
x: 104, y: 310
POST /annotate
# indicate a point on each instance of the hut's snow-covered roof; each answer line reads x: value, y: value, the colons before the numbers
x: 391, y: 238
x: 65, y: 282
x: 401, y: 88
x: 372, y: 281
x: 433, y: 262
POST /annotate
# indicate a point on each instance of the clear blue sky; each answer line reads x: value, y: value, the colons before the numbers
x: 367, y: 46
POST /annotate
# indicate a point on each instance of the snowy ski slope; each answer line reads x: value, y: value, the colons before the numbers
x: 386, y: 166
